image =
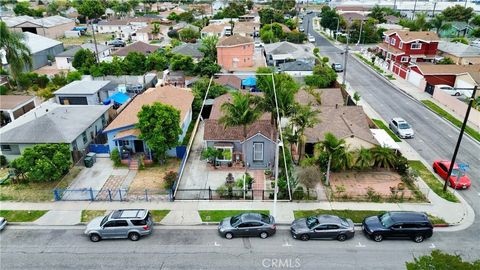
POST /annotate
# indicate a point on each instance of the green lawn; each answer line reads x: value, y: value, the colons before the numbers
x: 369, y: 62
x: 158, y: 215
x: 381, y: 125
x: 432, y: 181
x: 434, y: 107
x: 219, y: 215
x: 101, y: 38
x: 357, y: 216
x: 22, y: 215
x: 88, y: 215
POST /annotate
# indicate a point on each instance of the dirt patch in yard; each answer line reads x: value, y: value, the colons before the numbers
x: 151, y: 177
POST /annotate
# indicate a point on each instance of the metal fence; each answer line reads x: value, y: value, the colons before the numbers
x: 89, y: 194
x: 239, y: 194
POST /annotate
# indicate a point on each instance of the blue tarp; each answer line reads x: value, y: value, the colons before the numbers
x: 250, y: 81
x: 118, y: 98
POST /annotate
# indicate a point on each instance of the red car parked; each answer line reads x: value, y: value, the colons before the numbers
x: 441, y: 168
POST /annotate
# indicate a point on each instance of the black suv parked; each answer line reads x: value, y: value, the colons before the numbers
x: 413, y: 225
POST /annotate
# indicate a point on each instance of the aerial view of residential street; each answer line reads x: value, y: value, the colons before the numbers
x: 240, y: 134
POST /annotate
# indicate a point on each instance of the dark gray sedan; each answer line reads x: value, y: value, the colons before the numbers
x: 247, y: 224
x: 322, y: 227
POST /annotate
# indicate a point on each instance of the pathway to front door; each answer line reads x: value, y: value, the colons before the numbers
x: 258, y: 184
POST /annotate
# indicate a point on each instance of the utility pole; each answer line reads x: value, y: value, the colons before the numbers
x: 465, y: 3
x: 434, y: 6
x: 455, y: 152
x: 414, y: 7
x: 345, y: 59
x: 277, y: 153
x: 94, y: 41
x: 360, y: 35
x: 338, y: 24
x: 395, y: 5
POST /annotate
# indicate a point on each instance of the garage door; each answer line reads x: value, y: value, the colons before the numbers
x: 415, y: 78
x: 73, y: 100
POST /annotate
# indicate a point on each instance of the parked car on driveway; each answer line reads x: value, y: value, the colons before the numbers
x: 401, y: 128
x: 125, y: 223
x: 454, y: 91
x: 3, y: 223
x: 337, y: 67
x: 458, y: 179
x: 322, y: 227
x: 116, y: 43
x: 413, y: 225
x: 247, y: 224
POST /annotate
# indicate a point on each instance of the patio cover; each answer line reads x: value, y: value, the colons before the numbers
x: 384, y: 139
x: 117, y: 97
x: 250, y: 81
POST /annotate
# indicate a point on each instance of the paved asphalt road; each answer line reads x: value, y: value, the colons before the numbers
x: 200, y: 247
x: 434, y: 139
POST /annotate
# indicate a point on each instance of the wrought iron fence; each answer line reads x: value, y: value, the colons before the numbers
x: 89, y: 194
x: 240, y: 194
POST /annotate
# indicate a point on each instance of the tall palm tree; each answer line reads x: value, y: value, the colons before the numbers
x: 333, y: 147
x: 16, y: 52
x: 343, y: 159
x: 363, y: 158
x: 421, y: 21
x: 155, y: 28
x: 241, y: 112
x: 439, y: 23
x: 303, y: 118
x: 383, y: 157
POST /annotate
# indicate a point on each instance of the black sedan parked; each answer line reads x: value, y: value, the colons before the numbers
x: 322, y: 227
x: 413, y: 225
x: 247, y: 224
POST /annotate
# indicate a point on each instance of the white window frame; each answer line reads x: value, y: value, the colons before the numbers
x: 400, y: 45
x: 224, y: 148
x: 387, y: 39
x: 414, y: 48
x: 255, y: 145
x: 404, y: 61
x: 392, y: 42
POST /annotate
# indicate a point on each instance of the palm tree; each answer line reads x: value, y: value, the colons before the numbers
x: 155, y: 29
x: 439, y: 23
x: 333, y: 147
x: 17, y: 53
x: 363, y: 158
x: 383, y: 157
x: 241, y: 112
x: 209, y: 47
x: 303, y: 118
x: 343, y: 159
x: 421, y: 21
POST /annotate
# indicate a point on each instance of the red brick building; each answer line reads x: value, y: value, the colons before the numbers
x: 401, y: 48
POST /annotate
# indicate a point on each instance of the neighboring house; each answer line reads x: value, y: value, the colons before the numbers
x: 282, y: 52
x: 231, y: 81
x: 297, y: 68
x: 137, y: 46
x: 345, y: 122
x: 189, y: 49
x: 468, y: 81
x: 113, y: 26
x: 174, y: 78
x: 256, y: 151
x: 122, y: 131
x: 460, y: 53
x: 84, y: 92
x: 64, y: 60
x: 71, y: 13
x: 247, y: 29
x: 235, y: 52
x: 145, y: 34
x: 426, y: 76
x: 14, y: 106
x: 50, y: 27
x: 458, y: 29
x: 182, y: 25
x: 76, y: 126
x: 219, y: 30
x: 350, y: 17
x: 401, y: 48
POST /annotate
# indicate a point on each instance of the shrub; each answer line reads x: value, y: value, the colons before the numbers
x: 3, y: 160
x: 169, y: 179
x: 3, y: 90
x: 298, y: 194
x: 372, y: 195
x: 115, y: 157
x: 46, y: 93
x: 401, y: 165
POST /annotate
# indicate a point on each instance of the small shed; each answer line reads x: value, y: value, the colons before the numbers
x: 83, y: 92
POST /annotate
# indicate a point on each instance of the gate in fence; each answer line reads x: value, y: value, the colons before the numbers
x: 89, y: 194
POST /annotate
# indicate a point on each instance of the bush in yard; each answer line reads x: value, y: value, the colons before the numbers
x: 298, y: 194
x: 169, y: 179
x: 74, y: 76
x: 439, y: 260
x: 3, y: 160
x: 323, y: 76
x: 401, y: 165
x: 3, y: 90
x: 372, y: 195
x: 115, y: 157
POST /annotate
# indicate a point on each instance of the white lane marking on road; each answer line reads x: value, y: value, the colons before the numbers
x: 432, y: 246
x: 360, y: 245
x: 286, y: 244
x: 217, y: 244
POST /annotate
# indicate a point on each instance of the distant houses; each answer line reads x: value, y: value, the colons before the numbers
x: 50, y: 27
x: 235, y: 52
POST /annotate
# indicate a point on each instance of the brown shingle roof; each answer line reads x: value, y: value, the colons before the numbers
x: 9, y: 102
x: 234, y: 40
x: 179, y: 98
x: 409, y: 36
x: 390, y: 49
x: 430, y: 69
x: 229, y: 80
x: 246, y: 27
x: 329, y: 97
x: 214, y: 28
x: 138, y: 46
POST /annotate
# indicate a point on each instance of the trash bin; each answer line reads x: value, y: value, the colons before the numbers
x: 88, y: 162
x: 93, y: 156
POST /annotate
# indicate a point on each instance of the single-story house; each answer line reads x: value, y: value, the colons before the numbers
x: 50, y: 27
x: 137, y: 46
x: 14, y: 106
x: 84, y: 92
x: 145, y: 34
x: 297, y: 68
x: 255, y: 151
x: 426, y: 76
x: 219, y: 30
x: 113, y: 26
x: 64, y: 60
x: 76, y: 126
x: 231, y: 81
x: 190, y: 49
x: 345, y: 122
x: 247, y: 29
x: 460, y: 53
x: 122, y: 131
x: 282, y: 52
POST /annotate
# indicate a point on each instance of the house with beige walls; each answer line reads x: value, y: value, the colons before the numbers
x: 460, y: 53
x: 235, y: 52
x: 51, y: 27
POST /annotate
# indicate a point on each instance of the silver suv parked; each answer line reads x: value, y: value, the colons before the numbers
x: 126, y: 223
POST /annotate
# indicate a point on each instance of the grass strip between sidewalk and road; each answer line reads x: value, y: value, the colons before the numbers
x: 431, y: 180
x: 88, y: 215
x: 357, y: 216
x: 22, y: 215
x: 380, y: 124
x: 434, y: 107
x: 366, y: 61
x: 219, y: 215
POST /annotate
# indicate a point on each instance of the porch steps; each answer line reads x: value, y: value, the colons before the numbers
x: 133, y: 165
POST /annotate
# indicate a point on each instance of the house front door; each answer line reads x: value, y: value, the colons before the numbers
x: 138, y: 144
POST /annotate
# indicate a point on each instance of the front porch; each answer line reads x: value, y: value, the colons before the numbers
x: 130, y: 146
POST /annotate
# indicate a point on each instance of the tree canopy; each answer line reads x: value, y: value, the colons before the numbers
x: 458, y: 13
x: 17, y: 53
x: 439, y: 260
x: 91, y: 9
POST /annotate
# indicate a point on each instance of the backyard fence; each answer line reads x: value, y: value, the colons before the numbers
x: 132, y: 195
